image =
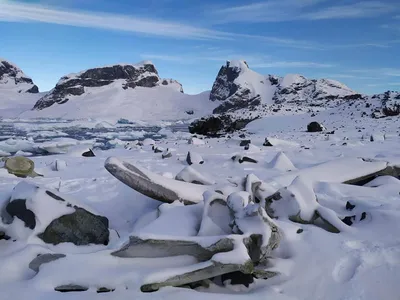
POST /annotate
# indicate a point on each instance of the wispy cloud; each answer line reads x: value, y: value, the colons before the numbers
x: 349, y: 76
x: 15, y: 11
x: 363, y: 9
x: 23, y: 12
x: 386, y: 72
x: 255, y: 61
x: 292, y: 64
x: 287, y: 10
x: 384, y: 84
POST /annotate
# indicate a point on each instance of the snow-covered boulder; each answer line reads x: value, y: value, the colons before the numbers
x: 196, y: 141
x: 59, y: 165
x: 33, y: 211
x: 193, y: 158
x: 281, y: 162
x: 189, y: 174
x: 12, y: 78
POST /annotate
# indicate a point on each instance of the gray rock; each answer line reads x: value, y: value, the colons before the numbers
x: 189, y: 174
x: 166, y: 154
x: 102, y: 290
x: 216, y: 125
x: 152, y: 248
x: 80, y: 228
x: 315, y: 127
x: 194, y: 158
x: 71, y: 288
x: 17, y: 208
x: 199, y: 274
x: 44, y: 259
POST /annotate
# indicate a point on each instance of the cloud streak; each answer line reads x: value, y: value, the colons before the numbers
x: 18, y: 12
x: 255, y: 61
x: 310, y: 10
x: 22, y: 12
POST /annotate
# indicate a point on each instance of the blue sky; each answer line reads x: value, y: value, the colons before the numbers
x: 354, y: 41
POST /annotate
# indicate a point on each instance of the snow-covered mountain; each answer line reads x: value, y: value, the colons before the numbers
x: 243, y: 95
x: 237, y: 86
x: 14, y: 80
x: 134, y: 92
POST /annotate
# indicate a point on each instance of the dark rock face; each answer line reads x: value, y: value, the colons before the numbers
x: 390, y: 102
x: 215, y: 125
x: 233, y: 94
x: 17, y: 208
x: 238, y: 278
x: 9, y: 72
x: 79, y: 228
x: 88, y: 153
x: 315, y: 127
x: 144, y: 75
x: 224, y: 85
x: 71, y: 288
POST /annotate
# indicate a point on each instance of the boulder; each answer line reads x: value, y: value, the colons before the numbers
x: 53, y: 218
x: 242, y: 159
x: 216, y: 125
x: 189, y: 174
x: 315, y: 127
x: 20, y: 166
x: 194, y: 158
x: 68, y: 288
x: 166, y: 154
x: 244, y: 143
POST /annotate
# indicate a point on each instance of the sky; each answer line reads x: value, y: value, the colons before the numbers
x: 356, y: 42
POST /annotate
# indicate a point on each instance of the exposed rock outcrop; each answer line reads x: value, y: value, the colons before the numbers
x: 12, y: 78
x: 129, y: 76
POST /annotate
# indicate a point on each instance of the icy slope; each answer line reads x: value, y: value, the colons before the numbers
x: 134, y: 92
x: 112, y: 102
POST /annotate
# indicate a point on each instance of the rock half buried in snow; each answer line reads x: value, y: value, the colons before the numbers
x: 241, y: 159
x: 71, y: 288
x: 154, y: 185
x: 43, y: 259
x: 281, y: 162
x: 54, y: 219
x: 315, y: 127
x: 189, y: 174
x: 194, y: 158
x: 20, y: 166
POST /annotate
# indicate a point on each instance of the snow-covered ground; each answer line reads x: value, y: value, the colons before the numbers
x: 361, y: 262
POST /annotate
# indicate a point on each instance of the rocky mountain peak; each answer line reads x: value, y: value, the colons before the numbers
x: 12, y: 78
x: 127, y: 76
x: 237, y: 87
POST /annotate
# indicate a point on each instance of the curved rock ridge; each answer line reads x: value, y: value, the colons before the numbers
x: 237, y: 87
x: 129, y: 76
x: 12, y: 78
